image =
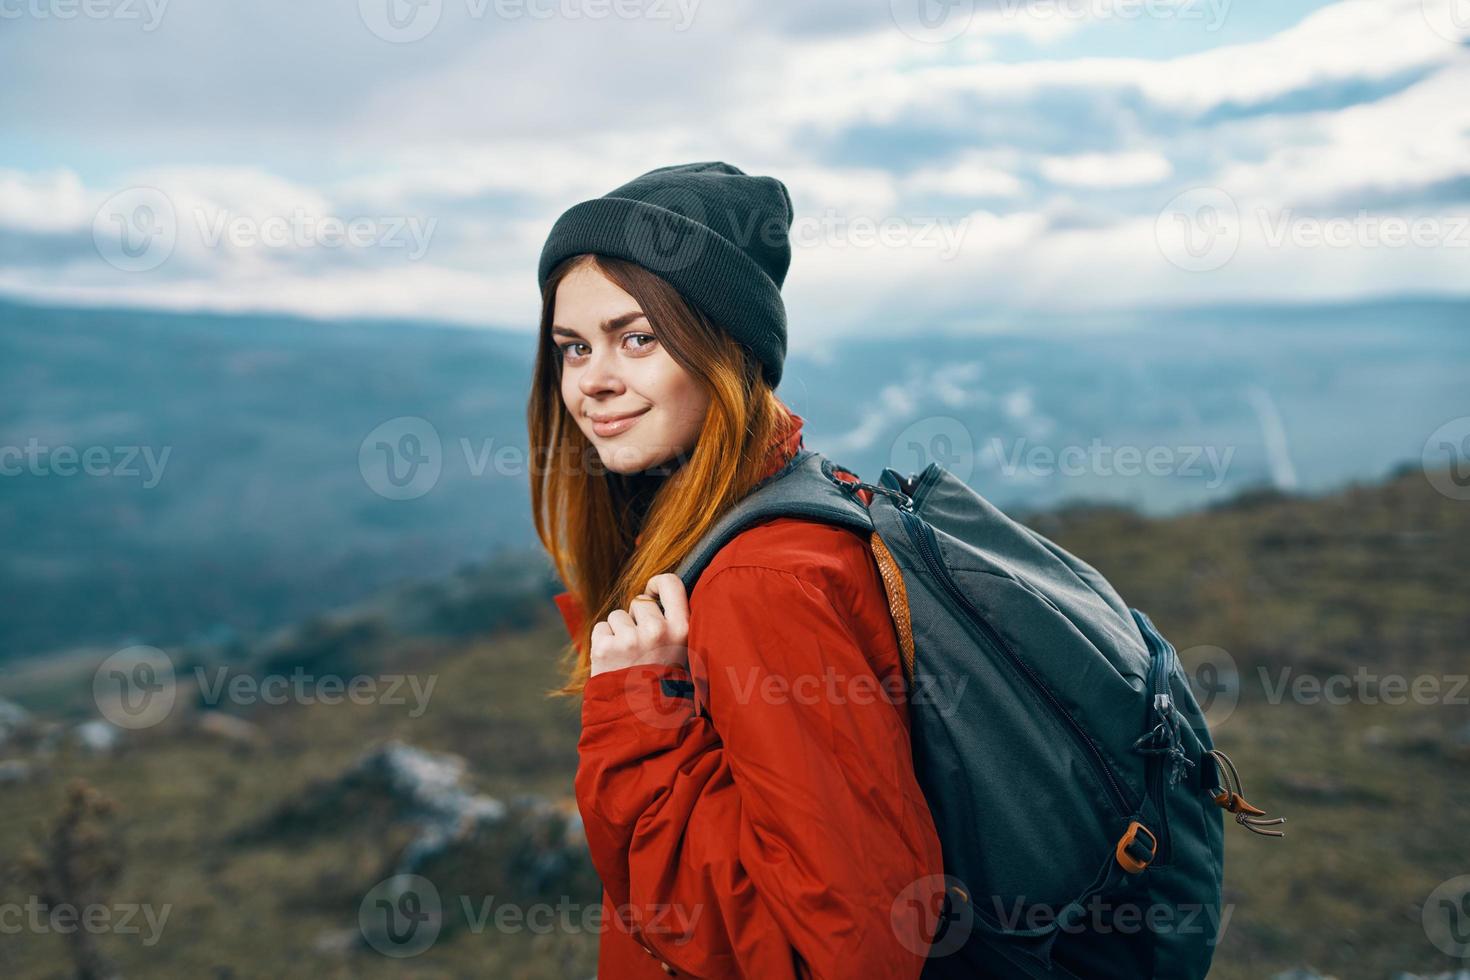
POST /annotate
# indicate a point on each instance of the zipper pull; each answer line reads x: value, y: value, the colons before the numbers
x: 1163, y: 739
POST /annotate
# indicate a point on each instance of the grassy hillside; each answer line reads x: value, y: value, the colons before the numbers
x: 1375, y: 794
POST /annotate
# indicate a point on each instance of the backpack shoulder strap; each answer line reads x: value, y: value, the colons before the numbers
x: 804, y: 487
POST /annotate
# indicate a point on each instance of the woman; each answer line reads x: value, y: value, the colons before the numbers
x: 744, y: 770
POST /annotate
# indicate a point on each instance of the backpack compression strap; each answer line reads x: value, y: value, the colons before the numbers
x: 804, y: 487
x: 898, y: 604
x: 807, y: 487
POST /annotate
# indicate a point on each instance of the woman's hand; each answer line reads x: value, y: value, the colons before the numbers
x: 644, y: 633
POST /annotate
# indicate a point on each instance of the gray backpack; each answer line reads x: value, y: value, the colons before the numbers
x: 1069, y: 769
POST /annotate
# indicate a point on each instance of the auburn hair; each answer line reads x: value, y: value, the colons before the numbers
x: 587, y: 517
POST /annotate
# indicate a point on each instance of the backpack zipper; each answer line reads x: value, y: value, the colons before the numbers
x: 1155, y: 763
x: 924, y: 539
x: 1161, y: 698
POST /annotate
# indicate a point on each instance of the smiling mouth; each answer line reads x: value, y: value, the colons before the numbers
x: 617, y: 426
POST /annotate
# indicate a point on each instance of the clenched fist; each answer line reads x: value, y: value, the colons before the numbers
x: 654, y: 629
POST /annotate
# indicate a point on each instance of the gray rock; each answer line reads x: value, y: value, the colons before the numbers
x: 98, y: 735
x: 13, y: 720
x: 14, y: 771
x: 432, y: 784
x: 337, y: 942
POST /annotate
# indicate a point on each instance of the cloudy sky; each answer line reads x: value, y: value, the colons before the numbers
x: 947, y: 160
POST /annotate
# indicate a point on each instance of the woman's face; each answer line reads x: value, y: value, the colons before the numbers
x: 620, y: 371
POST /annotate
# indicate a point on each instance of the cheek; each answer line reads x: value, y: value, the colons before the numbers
x: 654, y: 379
x: 664, y: 376
x: 686, y: 402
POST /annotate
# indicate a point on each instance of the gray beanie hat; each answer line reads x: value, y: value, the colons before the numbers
x: 716, y: 234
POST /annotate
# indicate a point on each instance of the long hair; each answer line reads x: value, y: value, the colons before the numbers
x: 588, y: 519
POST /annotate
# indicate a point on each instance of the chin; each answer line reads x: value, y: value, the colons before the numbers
x: 626, y: 459
x: 623, y: 459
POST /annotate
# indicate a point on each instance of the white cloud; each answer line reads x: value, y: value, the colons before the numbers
x: 43, y: 202
x: 1107, y: 169
x: 1413, y: 139
x: 957, y: 385
x: 488, y: 137
x: 975, y: 174
x: 415, y: 293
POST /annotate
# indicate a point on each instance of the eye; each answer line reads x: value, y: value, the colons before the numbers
x: 648, y: 336
x: 566, y: 349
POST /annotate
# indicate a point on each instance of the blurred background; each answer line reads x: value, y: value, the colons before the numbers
x: 1181, y: 283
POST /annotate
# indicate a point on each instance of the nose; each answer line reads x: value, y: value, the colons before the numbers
x: 600, y: 374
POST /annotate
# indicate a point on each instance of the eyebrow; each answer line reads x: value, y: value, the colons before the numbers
x: 608, y: 325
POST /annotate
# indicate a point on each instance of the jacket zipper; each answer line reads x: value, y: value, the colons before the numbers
x: 924, y: 540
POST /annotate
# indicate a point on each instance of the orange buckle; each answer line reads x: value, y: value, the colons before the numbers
x: 1129, y: 844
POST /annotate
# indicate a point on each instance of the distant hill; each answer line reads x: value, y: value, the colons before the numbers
x: 245, y: 493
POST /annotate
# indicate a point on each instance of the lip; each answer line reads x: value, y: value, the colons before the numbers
x: 617, y: 424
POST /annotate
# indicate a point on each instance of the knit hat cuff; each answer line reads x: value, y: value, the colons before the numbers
x: 706, y: 268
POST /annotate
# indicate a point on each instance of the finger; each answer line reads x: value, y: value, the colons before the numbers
x: 601, y: 632
x: 669, y: 589
x: 645, y: 611
x: 620, y: 622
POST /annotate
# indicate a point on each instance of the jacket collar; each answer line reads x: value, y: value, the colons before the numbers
x: 787, y: 442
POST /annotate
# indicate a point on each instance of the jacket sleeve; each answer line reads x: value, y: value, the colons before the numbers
x: 773, y: 836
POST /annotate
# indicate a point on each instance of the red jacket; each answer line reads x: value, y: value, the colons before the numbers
x: 757, y: 815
